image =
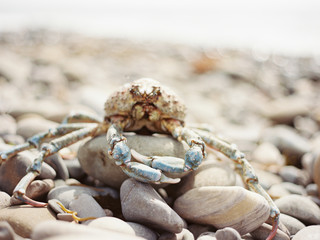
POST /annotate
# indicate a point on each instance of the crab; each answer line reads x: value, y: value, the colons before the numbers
x: 143, y: 104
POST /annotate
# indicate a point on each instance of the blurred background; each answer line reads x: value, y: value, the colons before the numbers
x: 241, y: 66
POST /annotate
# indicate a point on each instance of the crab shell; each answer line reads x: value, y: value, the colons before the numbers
x: 144, y: 103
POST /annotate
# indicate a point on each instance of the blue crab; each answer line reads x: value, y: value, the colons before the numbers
x: 142, y: 104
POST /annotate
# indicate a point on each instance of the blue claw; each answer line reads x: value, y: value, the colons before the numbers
x: 193, y: 158
x: 121, y: 153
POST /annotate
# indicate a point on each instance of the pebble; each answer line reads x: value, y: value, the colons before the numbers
x: 65, y: 217
x: 267, y: 179
x: 8, y: 125
x: 312, y: 189
x: 288, y: 141
x: 29, y: 126
x: 286, y: 188
x: 13, y: 139
x: 141, y: 203
x: 66, y: 194
x: 207, y: 236
x: 94, y: 159
x: 4, y: 200
x: 18, y: 165
x: 58, y: 164
x: 209, y: 173
x: 7, y: 233
x: 293, y: 225
x: 223, y: 207
x: 262, y: 232
x: 74, y: 168
x: 91, y: 209
x: 268, y: 154
x: 25, y: 218
x: 185, y: 234
x: 295, y: 175
x: 227, y: 233
x: 308, y: 161
x: 316, y: 171
x: 308, y: 233
x: 299, y: 207
x: 61, y: 230
x: 118, y: 225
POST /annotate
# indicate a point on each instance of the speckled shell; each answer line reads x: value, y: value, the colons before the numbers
x: 122, y: 101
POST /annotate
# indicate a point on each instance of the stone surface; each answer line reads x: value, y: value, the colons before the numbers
x: 227, y: 234
x: 7, y: 233
x: 58, y: 164
x: 185, y: 234
x: 65, y: 231
x: 299, y: 207
x: 209, y: 173
x: 262, y: 232
x: 95, y: 162
x: 86, y: 206
x: 207, y: 236
x: 24, y: 218
x: 308, y: 233
x: 141, y: 203
x: 316, y: 172
x: 267, y: 154
x: 223, y: 207
x: 295, y: 175
x: 7, y: 125
x: 292, y: 224
x: 4, y: 200
x: 18, y: 165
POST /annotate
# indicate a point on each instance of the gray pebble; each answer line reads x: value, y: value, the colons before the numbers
x: 308, y: 233
x: 58, y: 164
x: 74, y: 168
x: 8, y: 125
x: 312, y: 189
x: 262, y: 232
x: 207, y: 236
x: 295, y: 175
x: 227, y: 233
x: 141, y: 203
x: 293, y: 225
x: 13, y: 139
x: 299, y: 207
x: 65, y: 217
x: 53, y: 204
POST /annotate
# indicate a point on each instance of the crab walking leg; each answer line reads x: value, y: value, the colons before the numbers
x: 35, y: 141
x: 120, y: 152
x: 47, y: 150
x: 246, y: 171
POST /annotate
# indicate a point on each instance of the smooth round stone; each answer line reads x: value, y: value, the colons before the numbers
x: 292, y: 224
x: 209, y: 173
x: 294, y: 175
x: 74, y: 168
x: 312, y: 189
x: 91, y: 209
x: 267, y: 179
x: 277, y: 191
x: 7, y: 125
x: 7, y: 233
x: 299, y: 207
x: 288, y: 141
x: 65, y: 217
x: 262, y: 232
x: 267, y: 154
x: 13, y: 139
x: 308, y: 233
x: 57, y: 230
x: 25, y: 218
x: 227, y: 234
x: 141, y: 203
x: 66, y: 194
x: 95, y: 161
x: 30, y: 126
x: 185, y: 234
x: 15, y: 168
x: 118, y: 225
x: 223, y: 207
x: 58, y: 164
x: 207, y: 236
x: 308, y: 161
x: 4, y: 200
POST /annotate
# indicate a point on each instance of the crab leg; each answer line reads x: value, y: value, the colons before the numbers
x: 52, y: 147
x: 246, y: 171
x: 35, y: 141
x: 120, y: 152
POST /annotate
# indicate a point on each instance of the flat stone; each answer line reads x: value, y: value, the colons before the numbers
x: 308, y: 233
x: 223, y: 207
x: 262, y: 232
x: 299, y: 207
x: 142, y: 204
x: 95, y: 161
x: 61, y: 230
x: 91, y: 209
x: 293, y: 225
x: 25, y: 218
x: 118, y: 225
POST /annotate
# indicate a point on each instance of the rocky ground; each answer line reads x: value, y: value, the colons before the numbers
x: 267, y: 104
